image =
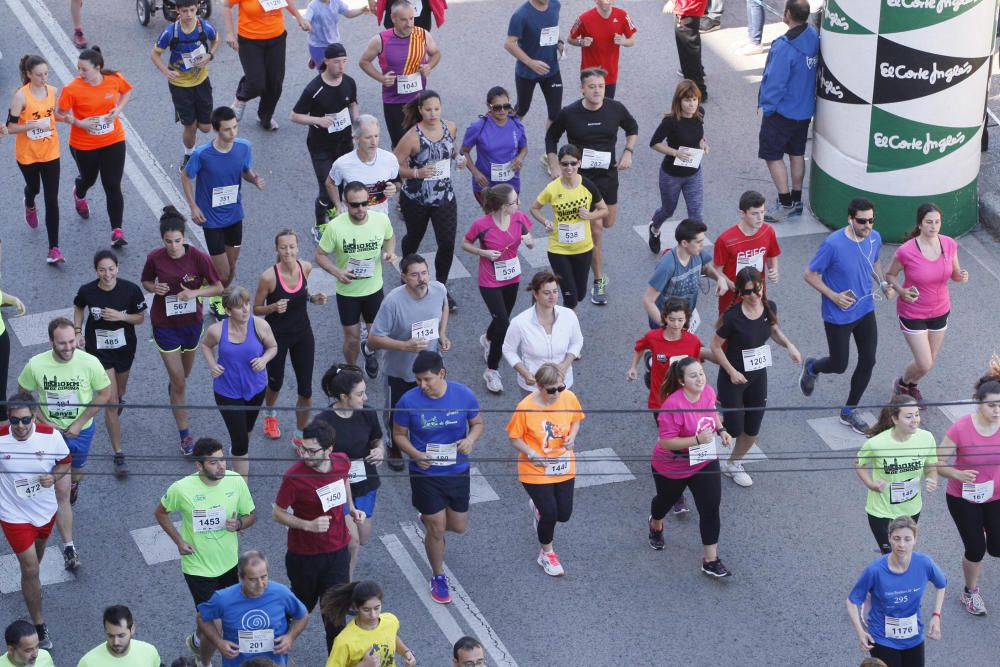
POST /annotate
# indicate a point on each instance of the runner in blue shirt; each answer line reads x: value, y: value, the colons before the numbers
x: 896, y: 583
x: 437, y: 424
x: 217, y: 202
x: 254, y: 615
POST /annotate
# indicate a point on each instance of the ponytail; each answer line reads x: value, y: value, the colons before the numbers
x: 336, y: 601
x: 989, y: 383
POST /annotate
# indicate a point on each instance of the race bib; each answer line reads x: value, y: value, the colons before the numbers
x: 209, y: 520
x: 224, y: 195
x: 558, y: 466
x: 341, y: 120
x: 191, y: 58
x: 36, y: 133
x: 442, y: 170
x: 901, y: 628
x: 571, y: 232
x: 175, y: 306
x: 271, y: 5
x: 105, y: 125
x: 442, y: 454
x: 703, y: 453
x: 595, y: 159
x: 694, y: 160
x: 501, y: 173
x: 109, y: 340
x: 549, y: 36
x: 361, y: 268
x: 357, y: 473
x: 507, y: 269
x: 900, y: 492
x: 256, y: 641
x: 409, y: 83
x: 28, y: 487
x: 61, y: 403
x: 756, y: 261
x: 977, y: 493
x: 756, y: 358
x: 332, y: 495
x: 426, y: 329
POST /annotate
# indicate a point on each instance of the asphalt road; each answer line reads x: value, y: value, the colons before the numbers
x: 795, y: 541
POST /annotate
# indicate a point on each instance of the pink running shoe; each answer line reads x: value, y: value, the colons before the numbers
x: 55, y: 257
x: 31, y: 217
x: 82, y: 208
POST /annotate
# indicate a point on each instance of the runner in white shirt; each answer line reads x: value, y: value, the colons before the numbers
x: 378, y: 169
x: 33, y: 458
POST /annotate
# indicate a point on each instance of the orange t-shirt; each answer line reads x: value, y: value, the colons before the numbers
x: 87, y: 101
x: 255, y: 22
x: 41, y: 143
x: 544, y: 433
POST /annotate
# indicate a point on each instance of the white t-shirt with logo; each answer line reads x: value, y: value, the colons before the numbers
x: 384, y: 168
x: 22, y: 498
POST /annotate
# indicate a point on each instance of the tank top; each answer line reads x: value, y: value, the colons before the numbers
x: 431, y: 191
x: 37, y: 144
x: 402, y: 55
x: 240, y: 380
x: 295, y: 319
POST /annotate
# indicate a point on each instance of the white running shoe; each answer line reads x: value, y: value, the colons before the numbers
x: 493, y: 381
x: 736, y: 471
x: 550, y: 563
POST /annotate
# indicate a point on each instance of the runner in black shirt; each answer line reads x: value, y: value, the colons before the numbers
x: 328, y: 105
x: 592, y: 125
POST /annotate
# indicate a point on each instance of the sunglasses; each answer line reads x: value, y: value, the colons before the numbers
x: 555, y: 390
x: 865, y: 221
x: 357, y: 204
x: 748, y: 292
x: 14, y: 421
x: 502, y: 107
x: 569, y: 164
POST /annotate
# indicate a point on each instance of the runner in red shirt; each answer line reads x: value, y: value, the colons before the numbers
x: 666, y: 345
x: 601, y: 32
x: 750, y: 242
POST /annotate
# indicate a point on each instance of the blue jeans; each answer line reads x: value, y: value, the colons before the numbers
x: 755, y: 20
x: 671, y: 188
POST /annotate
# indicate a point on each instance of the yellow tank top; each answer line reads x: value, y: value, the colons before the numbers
x: 41, y: 143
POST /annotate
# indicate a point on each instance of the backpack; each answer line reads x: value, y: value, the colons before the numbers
x: 175, y: 40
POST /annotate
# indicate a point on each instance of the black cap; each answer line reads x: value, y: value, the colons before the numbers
x: 336, y: 50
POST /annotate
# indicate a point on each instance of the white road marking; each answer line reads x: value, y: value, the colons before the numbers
x: 33, y: 328
x: 956, y: 412
x: 480, y: 490
x: 600, y: 466
x: 462, y: 602
x: 837, y: 436
x: 538, y: 257
x: 51, y: 571
x: 800, y: 225
x: 154, y: 544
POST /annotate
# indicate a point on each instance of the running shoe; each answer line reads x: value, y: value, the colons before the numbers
x: 74, y: 492
x: 807, y: 381
x: 54, y: 256
x: 715, y: 569
x: 535, y: 515
x: 493, y: 381
x: 452, y: 304
x: 118, y: 238
x: 31, y: 216
x: 707, y: 24
x: 653, y: 239
x: 797, y: 208
x: 270, y: 124
x: 218, y: 310
x: 271, y: 429
x: 778, y: 212
x: 485, y: 343
x: 371, y: 361
x: 311, y: 64
x: 318, y: 230
x: 82, y: 208
x: 897, y: 387
x: 655, y: 536
x: 439, y: 589
x: 238, y: 107
x: 973, y: 601
x: 736, y: 472
x: 193, y: 645
x: 121, y: 468
x: 599, y: 292
x: 681, y: 506
x: 550, y: 563
x: 915, y: 393
x: 184, y: 161
x: 71, y: 559
x: 395, y: 459
x: 79, y: 41
x: 857, y: 424
x: 187, y: 446
x: 44, y: 637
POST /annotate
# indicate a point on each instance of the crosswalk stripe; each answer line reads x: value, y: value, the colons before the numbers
x: 837, y: 436
x: 600, y: 466
x: 155, y: 545
x: 50, y: 572
x: 480, y: 490
x: 538, y: 257
x: 956, y: 412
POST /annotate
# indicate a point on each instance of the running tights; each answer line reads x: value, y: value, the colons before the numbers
x: 302, y: 349
x: 880, y: 530
x: 838, y: 338
x: 573, y: 271
x: 554, y: 502
x: 978, y: 526
x: 894, y: 657
x: 706, y: 487
x: 500, y: 302
x: 44, y: 176
x: 107, y: 162
x: 746, y: 420
x: 263, y: 63
x: 239, y: 423
x: 444, y: 219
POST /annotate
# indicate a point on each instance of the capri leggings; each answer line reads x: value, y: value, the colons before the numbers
x: 751, y: 395
x: 895, y: 657
x: 554, y: 502
x: 301, y: 348
x: 44, y: 177
x: 978, y: 526
x: 880, y: 530
x: 838, y: 338
x: 444, y: 219
x: 108, y: 163
x: 239, y: 423
x: 573, y: 271
x: 551, y: 87
x: 500, y: 302
x: 706, y: 487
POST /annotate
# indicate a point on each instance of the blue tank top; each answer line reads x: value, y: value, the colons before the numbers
x: 240, y: 380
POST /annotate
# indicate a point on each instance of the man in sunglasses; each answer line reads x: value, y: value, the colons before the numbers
x: 359, y: 240
x: 33, y: 459
x: 843, y: 272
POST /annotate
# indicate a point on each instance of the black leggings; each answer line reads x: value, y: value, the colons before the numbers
x: 978, y: 526
x: 444, y: 219
x: 393, y: 114
x: 500, y: 302
x: 551, y: 87
x: 747, y: 396
x: 397, y: 387
x: 44, y: 176
x: 880, y: 530
x: 321, y: 163
x: 838, y: 338
x: 263, y: 63
x: 706, y: 487
x: 239, y: 423
x: 4, y: 369
x: 573, y: 271
x: 108, y: 163
x: 894, y: 657
x: 302, y: 349
x: 554, y: 502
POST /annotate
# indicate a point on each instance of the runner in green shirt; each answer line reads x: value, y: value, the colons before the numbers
x: 894, y: 460
x: 23, y: 647
x: 120, y: 650
x: 215, y: 504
